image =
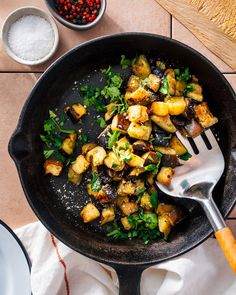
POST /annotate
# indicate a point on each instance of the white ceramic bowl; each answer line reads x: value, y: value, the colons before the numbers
x: 12, y: 18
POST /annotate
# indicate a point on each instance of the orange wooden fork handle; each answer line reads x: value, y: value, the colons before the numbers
x: 227, y: 242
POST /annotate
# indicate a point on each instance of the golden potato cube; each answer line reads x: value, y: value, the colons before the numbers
x: 80, y: 165
x: 177, y: 145
x: 120, y: 123
x: 139, y: 96
x: 68, y: 144
x: 77, y: 111
x: 89, y: 212
x: 164, y: 225
x: 141, y: 67
x: 96, y: 156
x: 74, y: 177
x: 135, y: 161
x: 164, y: 122
x: 159, y: 108
x: 88, y: 147
x: 140, y: 131
x: 133, y: 83
x: 204, y: 115
x: 113, y: 162
x: 154, y: 82
x: 53, y: 167
x: 125, y: 223
x: 108, y: 215
x: 129, y: 208
x: 176, y: 105
x: 165, y: 175
x: 126, y: 188
x: 146, y: 201
x: 138, y: 113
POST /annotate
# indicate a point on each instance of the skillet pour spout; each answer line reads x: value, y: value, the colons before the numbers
x: 45, y: 194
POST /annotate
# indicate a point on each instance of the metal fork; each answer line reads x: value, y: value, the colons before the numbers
x: 195, y: 180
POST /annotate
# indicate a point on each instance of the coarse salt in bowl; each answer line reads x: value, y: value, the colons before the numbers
x: 30, y: 36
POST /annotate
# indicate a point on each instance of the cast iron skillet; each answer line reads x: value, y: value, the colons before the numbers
x: 57, y: 204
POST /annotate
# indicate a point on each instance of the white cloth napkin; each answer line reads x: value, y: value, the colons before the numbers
x: 58, y: 270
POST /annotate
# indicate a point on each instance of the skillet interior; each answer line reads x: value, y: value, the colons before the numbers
x: 58, y: 206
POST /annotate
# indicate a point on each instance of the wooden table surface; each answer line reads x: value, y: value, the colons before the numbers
x: 16, y: 81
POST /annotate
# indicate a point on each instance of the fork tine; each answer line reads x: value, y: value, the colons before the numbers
x: 212, y: 140
x: 200, y: 144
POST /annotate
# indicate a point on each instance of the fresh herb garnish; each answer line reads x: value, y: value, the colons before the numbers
x: 185, y: 157
x: 113, y: 138
x: 92, y: 98
x: 189, y: 88
x: 165, y: 86
x: 96, y: 183
x: 83, y: 138
x: 184, y: 76
x: 53, y: 125
x: 114, y: 166
x: 47, y: 153
x: 150, y: 167
x: 154, y: 200
x: 102, y: 123
x: 125, y: 62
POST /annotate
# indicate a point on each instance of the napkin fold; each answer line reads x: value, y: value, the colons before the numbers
x: 58, y: 270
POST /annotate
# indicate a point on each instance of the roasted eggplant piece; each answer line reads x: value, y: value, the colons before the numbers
x: 141, y: 67
x: 80, y: 165
x: 142, y: 146
x: 53, y: 167
x: 204, y: 116
x: 189, y: 113
x: 110, y: 191
x: 169, y: 216
x: 120, y: 123
x: 104, y: 137
x: 116, y: 175
x: 89, y: 213
x: 108, y: 215
x: 180, y: 87
x: 165, y: 176
x: 74, y: 177
x: 177, y: 145
x: 135, y: 172
x: 133, y: 83
x: 68, y: 144
x: 195, y: 94
x: 160, y: 108
x: 170, y: 76
x: 179, y: 121
x: 103, y: 174
x: 137, y: 114
x: 153, y: 82
x: 76, y: 111
x: 140, y: 96
x: 164, y: 122
x: 169, y: 157
x: 161, y: 138
x: 192, y: 129
x: 96, y: 156
x: 150, y: 158
x: 140, y: 131
x: 88, y: 147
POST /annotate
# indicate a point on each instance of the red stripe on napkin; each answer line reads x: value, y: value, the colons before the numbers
x: 62, y: 263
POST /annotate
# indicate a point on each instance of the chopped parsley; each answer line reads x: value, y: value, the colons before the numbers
x: 154, y: 200
x: 113, y: 138
x: 92, y: 98
x: 165, y: 86
x: 102, y: 123
x: 83, y: 138
x: 47, y: 153
x: 150, y: 167
x: 96, y: 183
x: 189, y: 88
x: 184, y: 76
x: 125, y: 62
x: 185, y: 157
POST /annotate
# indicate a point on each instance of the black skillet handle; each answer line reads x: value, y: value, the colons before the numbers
x: 18, y: 146
x: 129, y: 279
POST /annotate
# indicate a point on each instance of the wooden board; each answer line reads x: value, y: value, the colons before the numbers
x: 213, y: 22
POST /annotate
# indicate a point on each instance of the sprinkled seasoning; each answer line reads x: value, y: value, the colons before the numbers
x: 31, y: 37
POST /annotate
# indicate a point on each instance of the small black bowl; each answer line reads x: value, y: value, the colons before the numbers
x: 51, y: 4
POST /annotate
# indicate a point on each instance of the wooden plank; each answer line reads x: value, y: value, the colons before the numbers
x: 213, y: 22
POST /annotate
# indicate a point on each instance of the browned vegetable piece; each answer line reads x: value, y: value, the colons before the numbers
x: 146, y: 202
x: 135, y: 161
x: 164, y: 122
x: 89, y: 212
x: 108, y: 215
x: 177, y: 145
x: 196, y: 93
x: 135, y: 172
x: 139, y: 186
x: 160, y: 108
x: 110, y: 111
x: 169, y: 157
x: 154, y: 82
x: 176, y: 105
x: 142, y: 146
x: 170, y: 76
x: 121, y: 199
x: 133, y: 83
x: 140, y: 131
x: 116, y: 175
x: 161, y: 65
x: 120, y: 123
x: 204, y: 115
x: 126, y: 188
x: 88, y: 147
x: 129, y: 208
x: 139, y: 96
x: 76, y: 111
x: 74, y: 177
x: 193, y: 129
x: 80, y: 165
x: 96, y: 156
x: 68, y: 144
x: 141, y: 67
x: 150, y: 158
x: 137, y: 114
x: 123, y: 144
x: 165, y: 175
x: 125, y: 223
x: 100, y: 195
x: 179, y: 89
x: 169, y: 216
x: 53, y: 167
x: 113, y: 162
